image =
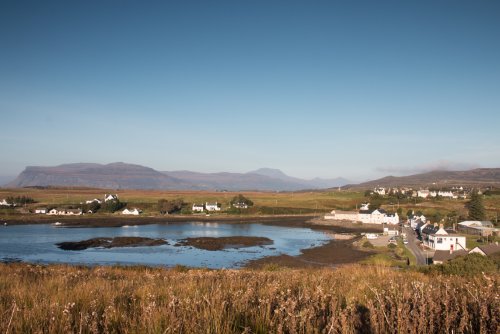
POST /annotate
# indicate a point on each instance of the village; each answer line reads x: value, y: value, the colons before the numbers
x: 114, y: 205
x: 429, y: 242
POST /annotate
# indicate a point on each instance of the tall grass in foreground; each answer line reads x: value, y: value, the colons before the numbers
x: 63, y: 299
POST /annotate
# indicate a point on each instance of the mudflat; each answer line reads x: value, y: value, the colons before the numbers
x: 333, y: 253
x: 214, y: 244
x: 110, y: 243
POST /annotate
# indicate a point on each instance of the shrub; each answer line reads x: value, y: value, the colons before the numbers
x: 469, y: 265
x: 368, y: 244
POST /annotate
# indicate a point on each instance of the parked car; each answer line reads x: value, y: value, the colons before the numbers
x: 405, y: 241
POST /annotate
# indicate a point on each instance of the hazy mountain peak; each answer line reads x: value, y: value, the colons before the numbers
x: 271, y: 172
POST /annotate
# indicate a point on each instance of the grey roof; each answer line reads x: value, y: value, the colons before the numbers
x: 490, y: 249
x: 444, y: 256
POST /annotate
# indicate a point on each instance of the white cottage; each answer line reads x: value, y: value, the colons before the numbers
x: 197, y: 208
x: 110, y: 197
x: 5, y: 203
x: 41, y: 211
x: 64, y: 212
x: 93, y: 200
x: 423, y: 193
x: 212, y: 206
x: 133, y: 212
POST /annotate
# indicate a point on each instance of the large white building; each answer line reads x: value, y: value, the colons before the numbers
x: 378, y: 216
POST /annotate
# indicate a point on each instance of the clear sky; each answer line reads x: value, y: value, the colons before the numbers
x: 358, y: 89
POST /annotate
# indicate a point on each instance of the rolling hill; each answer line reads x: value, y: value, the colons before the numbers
x: 479, y: 177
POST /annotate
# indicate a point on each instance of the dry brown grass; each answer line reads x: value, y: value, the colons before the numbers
x: 62, y: 299
x: 320, y: 201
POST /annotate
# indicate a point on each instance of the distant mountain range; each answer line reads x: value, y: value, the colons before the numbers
x: 127, y: 176
x: 479, y: 177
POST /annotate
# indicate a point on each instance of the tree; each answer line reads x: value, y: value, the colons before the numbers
x: 114, y: 205
x: 20, y: 200
x: 476, y: 207
x: 166, y: 206
x: 92, y: 206
x: 240, y: 199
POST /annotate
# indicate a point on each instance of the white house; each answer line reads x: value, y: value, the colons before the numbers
x: 380, y: 191
x: 423, y: 193
x: 134, y: 212
x: 415, y: 220
x: 442, y: 240
x: 447, y: 194
x: 197, y: 208
x: 110, y: 197
x: 64, y: 212
x: 41, y: 210
x: 5, y: 203
x: 94, y: 200
x: 212, y: 206
x: 391, y: 232
x: 240, y: 205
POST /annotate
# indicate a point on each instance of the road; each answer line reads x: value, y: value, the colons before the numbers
x: 413, y: 246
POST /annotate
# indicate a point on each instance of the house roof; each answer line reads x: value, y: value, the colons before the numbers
x: 490, y: 249
x: 474, y: 223
x: 430, y: 229
x: 443, y: 256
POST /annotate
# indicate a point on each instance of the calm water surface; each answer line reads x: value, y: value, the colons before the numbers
x: 36, y: 244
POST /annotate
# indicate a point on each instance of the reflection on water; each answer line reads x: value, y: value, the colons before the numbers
x: 36, y: 243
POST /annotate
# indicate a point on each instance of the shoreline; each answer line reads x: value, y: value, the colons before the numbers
x: 337, y: 251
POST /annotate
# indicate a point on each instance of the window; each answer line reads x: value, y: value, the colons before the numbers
x: 439, y: 240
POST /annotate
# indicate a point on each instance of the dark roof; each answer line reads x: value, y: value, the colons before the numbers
x: 444, y: 256
x: 430, y: 229
x: 420, y: 223
x: 490, y: 249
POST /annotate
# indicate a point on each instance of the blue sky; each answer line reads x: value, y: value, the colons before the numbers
x: 358, y: 89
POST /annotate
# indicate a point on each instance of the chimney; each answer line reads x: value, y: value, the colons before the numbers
x: 441, y: 226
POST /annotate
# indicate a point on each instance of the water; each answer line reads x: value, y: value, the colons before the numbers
x: 36, y: 244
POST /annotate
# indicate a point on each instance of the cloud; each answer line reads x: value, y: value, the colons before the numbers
x: 433, y: 166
